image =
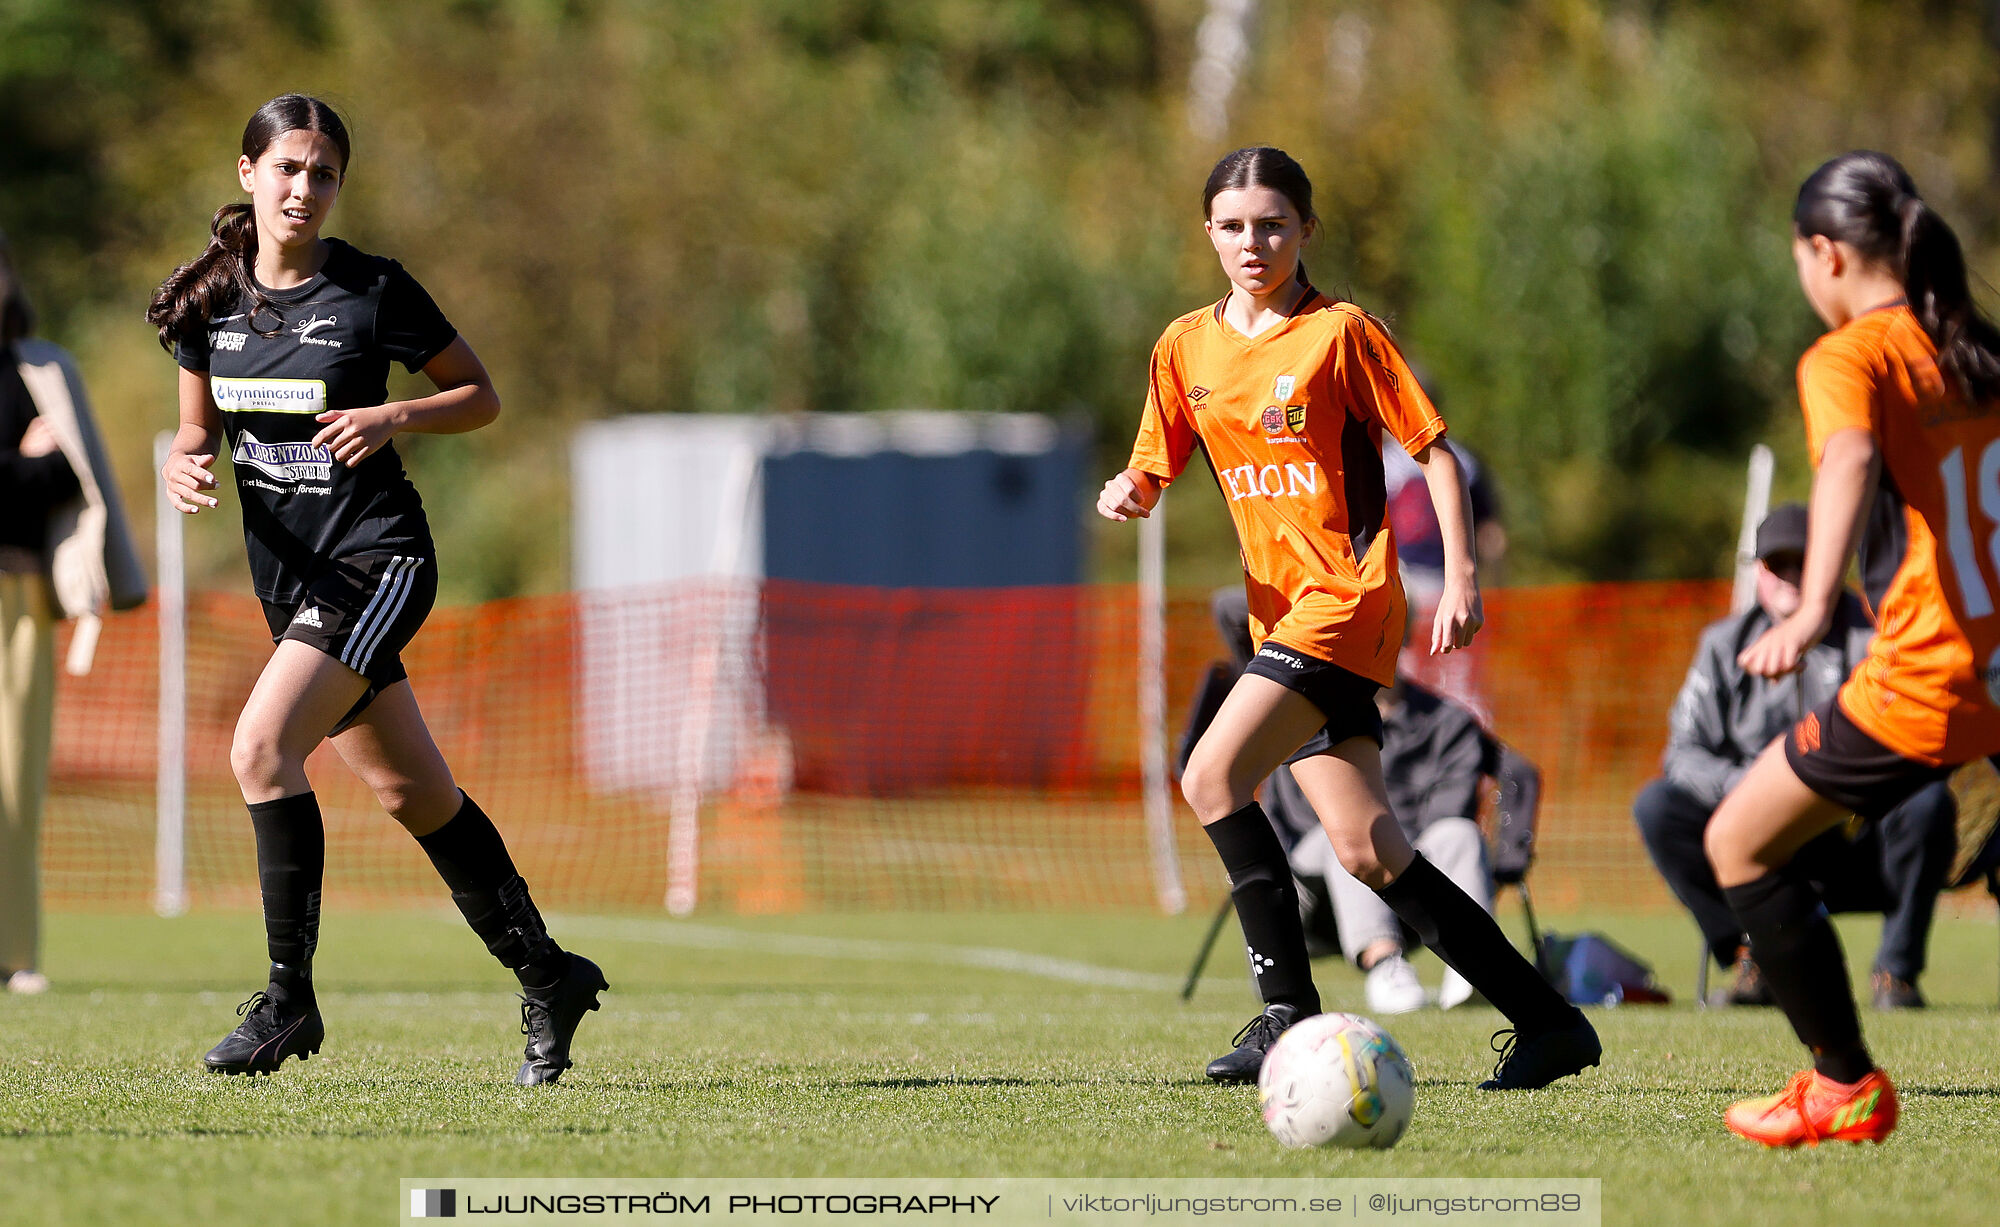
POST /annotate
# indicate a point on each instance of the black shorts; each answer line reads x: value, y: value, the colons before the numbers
x: 1835, y: 759
x: 361, y: 611
x: 1345, y: 698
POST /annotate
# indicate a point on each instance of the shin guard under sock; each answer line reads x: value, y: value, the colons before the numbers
x: 291, y: 863
x: 1267, y: 906
x: 1468, y: 939
x: 472, y: 859
x: 1799, y: 955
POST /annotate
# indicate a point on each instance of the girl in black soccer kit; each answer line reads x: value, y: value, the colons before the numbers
x: 284, y: 340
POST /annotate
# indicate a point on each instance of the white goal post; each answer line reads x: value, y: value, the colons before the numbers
x: 170, y: 824
x: 1156, y: 787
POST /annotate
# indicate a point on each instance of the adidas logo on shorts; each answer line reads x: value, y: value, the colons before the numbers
x: 309, y: 616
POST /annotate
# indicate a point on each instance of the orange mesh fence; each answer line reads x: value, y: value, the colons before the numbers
x: 842, y: 747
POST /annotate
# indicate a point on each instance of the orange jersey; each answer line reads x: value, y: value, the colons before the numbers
x: 1930, y: 557
x: 1292, y: 424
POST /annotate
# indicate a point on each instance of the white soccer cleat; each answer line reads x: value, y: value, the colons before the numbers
x: 1393, y: 987
x: 27, y: 983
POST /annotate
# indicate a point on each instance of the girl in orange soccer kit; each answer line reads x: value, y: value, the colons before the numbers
x: 1289, y: 392
x: 1899, y: 402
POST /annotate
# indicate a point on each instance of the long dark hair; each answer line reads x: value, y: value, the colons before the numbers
x: 1262, y: 166
x: 193, y: 293
x: 1868, y: 200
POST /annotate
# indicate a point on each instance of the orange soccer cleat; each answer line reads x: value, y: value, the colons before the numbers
x: 1813, y: 1109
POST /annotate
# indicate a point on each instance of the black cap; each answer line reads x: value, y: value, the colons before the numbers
x: 1783, y: 531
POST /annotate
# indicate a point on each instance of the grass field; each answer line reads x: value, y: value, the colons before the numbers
x: 873, y: 1045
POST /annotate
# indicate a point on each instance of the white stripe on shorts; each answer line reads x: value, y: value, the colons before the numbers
x: 391, y: 591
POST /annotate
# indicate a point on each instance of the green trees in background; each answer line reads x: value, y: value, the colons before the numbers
x: 1573, y: 214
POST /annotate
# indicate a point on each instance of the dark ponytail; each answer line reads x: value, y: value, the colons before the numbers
x: 220, y: 275
x: 1868, y: 201
x: 196, y: 291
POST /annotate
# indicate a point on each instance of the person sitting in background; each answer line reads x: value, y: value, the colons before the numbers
x: 1420, y: 556
x: 1723, y: 718
x: 1432, y: 751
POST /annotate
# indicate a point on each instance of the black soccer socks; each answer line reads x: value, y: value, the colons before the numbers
x: 1461, y: 933
x: 291, y: 862
x: 1799, y: 954
x: 1267, y: 906
x: 472, y: 859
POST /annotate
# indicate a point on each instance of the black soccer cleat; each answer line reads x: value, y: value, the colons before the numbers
x: 1528, y: 1062
x: 549, y: 1017
x: 270, y: 1032
x: 1244, y: 1062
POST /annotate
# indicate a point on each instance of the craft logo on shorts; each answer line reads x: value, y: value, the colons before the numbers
x: 1274, y: 420
x: 293, y: 463
x: 1267, y: 652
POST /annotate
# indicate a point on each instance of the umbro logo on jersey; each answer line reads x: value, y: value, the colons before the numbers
x: 309, y: 616
x: 1198, y: 395
x: 306, y: 328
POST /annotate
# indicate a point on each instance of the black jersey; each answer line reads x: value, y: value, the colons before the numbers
x: 335, y: 336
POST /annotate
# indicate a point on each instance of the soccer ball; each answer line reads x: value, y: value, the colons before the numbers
x: 1337, y: 1080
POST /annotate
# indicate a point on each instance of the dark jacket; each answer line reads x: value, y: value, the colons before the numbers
x: 1432, y: 750
x: 1724, y: 717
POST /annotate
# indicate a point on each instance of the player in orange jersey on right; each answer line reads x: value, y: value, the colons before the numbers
x: 1903, y: 426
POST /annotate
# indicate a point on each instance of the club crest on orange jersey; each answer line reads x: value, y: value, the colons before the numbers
x: 1274, y: 420
x: 1295, y: 417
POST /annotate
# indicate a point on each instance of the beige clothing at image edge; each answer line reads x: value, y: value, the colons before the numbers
x: 88, y: 569
x: 27, y: 711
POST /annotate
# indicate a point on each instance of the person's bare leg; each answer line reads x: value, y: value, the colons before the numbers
x: 390, y: 748
x: 1751, y: 841
x: 1259, y: 725
x: 300, y: 695
x: 1345, y: 788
